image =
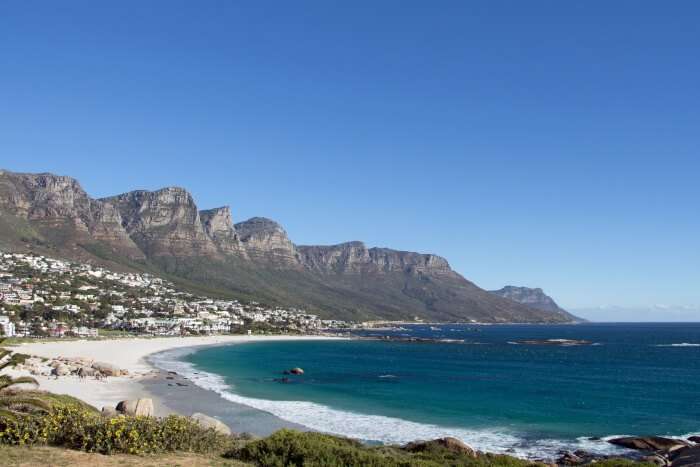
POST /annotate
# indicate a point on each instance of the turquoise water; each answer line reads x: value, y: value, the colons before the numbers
x: 636, y: 379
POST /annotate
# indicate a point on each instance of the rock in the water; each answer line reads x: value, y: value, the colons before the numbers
x: 296, y: 371
x: 694, y: 439
x: 107, y: 369
x: 210, y: 422
x: 139, y: 407
x: 449, y: 443
x: 649, y: 443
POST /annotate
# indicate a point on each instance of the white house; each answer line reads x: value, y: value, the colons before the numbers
x: 7, y: 326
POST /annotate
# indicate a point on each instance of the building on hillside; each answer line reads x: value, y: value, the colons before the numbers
x: 7, y: 326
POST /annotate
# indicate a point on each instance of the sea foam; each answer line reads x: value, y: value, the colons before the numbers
x: 378, y: 428
x: 681, y: 344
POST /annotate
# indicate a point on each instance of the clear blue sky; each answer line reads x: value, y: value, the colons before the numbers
x: 540, y: 143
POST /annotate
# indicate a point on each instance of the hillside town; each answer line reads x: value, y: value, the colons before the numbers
x: 46, y: 297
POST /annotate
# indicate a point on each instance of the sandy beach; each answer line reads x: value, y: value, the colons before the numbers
x: 127, y: 353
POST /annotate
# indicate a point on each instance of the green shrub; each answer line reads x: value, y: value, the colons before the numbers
x: 76, y: 428
x: 292, y: 448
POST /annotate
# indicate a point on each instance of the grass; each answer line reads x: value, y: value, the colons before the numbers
x: 43, y: 455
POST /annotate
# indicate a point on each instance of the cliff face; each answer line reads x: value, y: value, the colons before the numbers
x: 218, y: 225
x: 58, y: 206
x: 254, y: 259
x: 265, y: 240
x: 356, y: 258
x: 163, y: 222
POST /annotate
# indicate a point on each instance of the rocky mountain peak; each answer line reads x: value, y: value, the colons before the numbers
x: 533, y: 298
x: 164, y: 221
x: 265, y: 239
x: 218, y: 225
x: 255, y: 257
x: 43, y: 196
x: 258, y: 226
x: 217, y: 221
x: 60, y: 207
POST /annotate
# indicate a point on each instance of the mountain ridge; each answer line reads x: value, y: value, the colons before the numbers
x: 164, y: 229
x: 533, y: 297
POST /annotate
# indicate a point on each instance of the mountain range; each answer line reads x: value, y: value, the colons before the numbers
x: 164, y: 232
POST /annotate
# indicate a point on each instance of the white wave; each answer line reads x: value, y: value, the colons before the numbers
x: 682, y: 344
x: 387, y: 430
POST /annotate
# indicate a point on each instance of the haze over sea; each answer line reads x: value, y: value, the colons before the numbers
x: 493, y: 393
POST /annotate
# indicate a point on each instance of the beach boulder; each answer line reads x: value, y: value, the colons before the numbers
x: 107, y: 369
x: 451, y: 444
x: 210, y: 422
x: 694, y: 439
x: 137, y: 408
x: 649, y: 443
x: 61, y: 370
x: 86, y: 371
x: 109, y: 412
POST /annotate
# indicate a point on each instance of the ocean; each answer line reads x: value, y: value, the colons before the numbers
x: 482, y: 386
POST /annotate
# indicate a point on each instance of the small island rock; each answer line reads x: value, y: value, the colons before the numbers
x: 649, y: 443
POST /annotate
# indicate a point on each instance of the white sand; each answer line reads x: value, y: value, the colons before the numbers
x: 127, y: 354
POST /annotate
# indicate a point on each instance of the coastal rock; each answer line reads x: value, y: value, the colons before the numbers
x: 144, y: 408
x: 296, y: 371
x: 561, y: 342
x: 449, y: 443
x: 656, y: 459
x: 61, y: 370
x: 569, y: 458
x: 210, y: 422
x: 139, y: 407
x: 107, y: 369
x: 86, y: 371
x: 694, y: 439
x: 649, y: 443
x: 109, y: 412
x: 686, y: 457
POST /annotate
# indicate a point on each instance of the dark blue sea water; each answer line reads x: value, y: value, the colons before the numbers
x: 487, y: 390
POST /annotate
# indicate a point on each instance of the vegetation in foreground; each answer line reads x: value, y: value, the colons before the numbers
x: 70, y: 432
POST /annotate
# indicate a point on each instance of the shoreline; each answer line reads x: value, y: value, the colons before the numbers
x: 149, y: 378
x: 126, y: 353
